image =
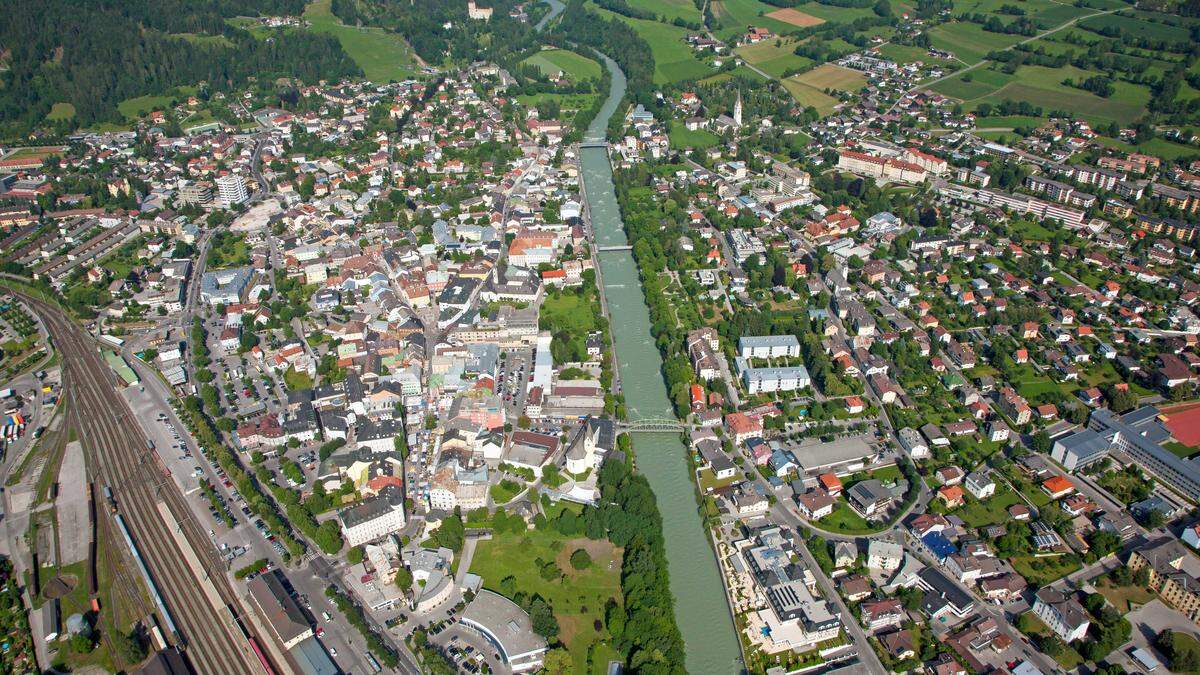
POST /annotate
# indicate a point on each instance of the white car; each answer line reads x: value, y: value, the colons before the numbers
x: 333, y: 652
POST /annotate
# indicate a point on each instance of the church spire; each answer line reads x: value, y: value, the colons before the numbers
x: 737, y: 109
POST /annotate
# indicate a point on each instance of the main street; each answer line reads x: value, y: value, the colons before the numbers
x: 117, y: 456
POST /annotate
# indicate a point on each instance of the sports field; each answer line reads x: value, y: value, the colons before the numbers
x: 573, y: 66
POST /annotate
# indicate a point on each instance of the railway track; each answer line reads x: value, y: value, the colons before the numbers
x: 116, y: 452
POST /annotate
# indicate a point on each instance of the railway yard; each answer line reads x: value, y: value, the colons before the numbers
x: 150, y: 568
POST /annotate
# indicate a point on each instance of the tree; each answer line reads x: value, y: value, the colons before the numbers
x: 404, y: 578
x: 355, y: 555
x: 580, y: 559
x: 128, y: 646
x: 557, y: 661
x: 1041, y: 442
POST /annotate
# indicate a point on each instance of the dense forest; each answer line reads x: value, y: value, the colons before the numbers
x: 95, y: 53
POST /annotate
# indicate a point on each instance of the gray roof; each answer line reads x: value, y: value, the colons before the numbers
x: 505, y: 622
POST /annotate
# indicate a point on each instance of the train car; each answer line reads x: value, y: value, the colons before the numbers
x: 156, y: 637
x: 108, y: 497
x: 262, y: 657
x: 372, y: 663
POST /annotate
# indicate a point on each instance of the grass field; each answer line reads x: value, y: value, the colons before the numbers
x: 844, y: 519
x: 578, y: 598
x: 61, y: 111
x: 810, y: 96
x: 834, y: 14
x: 991, y: 511
x: 383, y: 56
x: 1161, y: 147
x: 1138, y: 27
x: 674, y: 60
x: 1123, y: 107
x: 975, y: 84
x: 771, y: 59
x: 136, y: 107
x: 669, y: 9
x: 906, y: 54
x: 573, y: 66
x: 568, y: 311
x: 682, y: 137
x: 1045, y: 570
x: 830, y: 76
x: 969, y: 41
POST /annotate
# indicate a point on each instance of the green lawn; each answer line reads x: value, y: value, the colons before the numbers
x: 844, y: 519
x: 297, y: 381
x: 807, y: 96
x: 974, y: 84
x: 1045, y: 570
x: 1122, y: 597
x: 568, y: 311
x: 991, y: 511
x: 573, y: 66
x: 578, y: 598
x: 682, y: 137
x: 383, y: 56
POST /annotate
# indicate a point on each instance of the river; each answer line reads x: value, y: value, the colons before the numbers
x: 700, y: 606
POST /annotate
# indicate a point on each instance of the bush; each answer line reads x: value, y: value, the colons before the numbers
x: 580, y: 559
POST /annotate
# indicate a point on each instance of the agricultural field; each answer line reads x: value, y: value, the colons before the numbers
x: 795, y: 17
x: 573, y: 66
x: 1139, y: 26
x: 383, y: 56
x: 969, y: 41
x: 773, y: 60
x: 1044, y: 87
x: 674, y: 60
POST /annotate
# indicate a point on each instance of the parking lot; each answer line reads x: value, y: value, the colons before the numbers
x: 512, y: 380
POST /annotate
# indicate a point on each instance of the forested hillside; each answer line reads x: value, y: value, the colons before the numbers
x: 440, y: 30
x: 95, y: 53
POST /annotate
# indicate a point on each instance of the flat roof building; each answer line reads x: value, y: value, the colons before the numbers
x: 503, y: 623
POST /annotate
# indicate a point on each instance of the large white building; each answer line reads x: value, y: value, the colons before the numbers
x: 375, y: 518
x: 231, y: 188
x: 768, y: 346
x: 1062, y: 613
x: 768, y: 380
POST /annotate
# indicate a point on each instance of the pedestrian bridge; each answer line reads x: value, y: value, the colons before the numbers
x: 626, y: 247
x: 594, y: 144
x: 662, y: 425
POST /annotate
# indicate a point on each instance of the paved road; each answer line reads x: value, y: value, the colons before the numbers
x: 117, y: 456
